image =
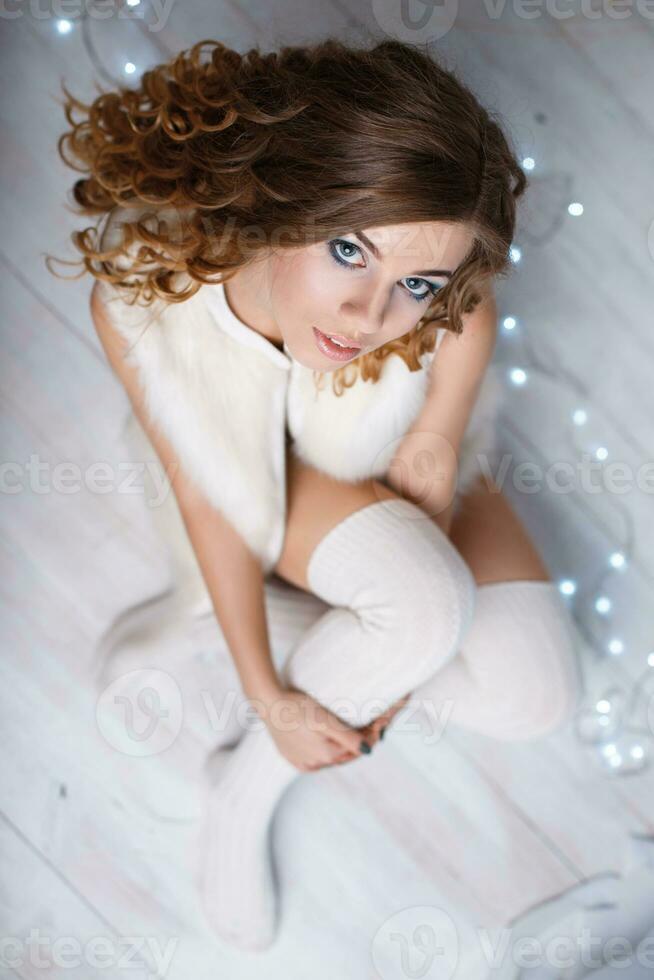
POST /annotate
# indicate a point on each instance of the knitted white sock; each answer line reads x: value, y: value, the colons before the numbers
x: 237, y: 880
x: 403, y: 598
x: 516, y: 675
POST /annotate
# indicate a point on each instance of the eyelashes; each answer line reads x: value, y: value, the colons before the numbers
x: 334, y: 245
x: 333, y: 248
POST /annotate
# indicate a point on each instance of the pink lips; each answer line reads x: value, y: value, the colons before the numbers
x: 327, y: 346
x: 344, y: 340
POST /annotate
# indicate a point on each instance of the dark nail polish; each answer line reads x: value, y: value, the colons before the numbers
x: 381, y: 732
x: 363, y: 745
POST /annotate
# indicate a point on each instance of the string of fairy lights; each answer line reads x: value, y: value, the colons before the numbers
x: 618, y: 726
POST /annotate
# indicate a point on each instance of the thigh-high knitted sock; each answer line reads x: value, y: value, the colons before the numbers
x: 516, y: 675
x: 402, y: 599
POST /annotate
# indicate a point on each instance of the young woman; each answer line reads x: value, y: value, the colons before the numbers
x: 275, y: 222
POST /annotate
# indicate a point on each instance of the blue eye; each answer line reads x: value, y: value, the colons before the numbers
x: 430, y: 291
x: 336, y: 243
x: 333, y: 248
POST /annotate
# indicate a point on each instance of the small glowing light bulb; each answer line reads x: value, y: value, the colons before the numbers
x: 601, y: 452
x: 609, y: 749
x: 130, y: 68
x: 567, y: 586
x: 515, y: 254
x: 650, y: 659
x: 528, y: 163
x: 617, y: 559
x: 575, y: 209
x: 518, y: 376
x: 637, y: 751
x: 579, y: 416
x: 64, y: 26
x: 603, y: 706
x: 509, y: 322
x: 603, y: 605
x: 616, y: 646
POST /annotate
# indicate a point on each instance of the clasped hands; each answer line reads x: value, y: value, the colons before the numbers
x: 313, y: 737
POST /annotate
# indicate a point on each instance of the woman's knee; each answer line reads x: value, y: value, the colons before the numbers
x: 402, y: 576
x: 537, y: 720
x: 410, y: 578
x: 434, y: 583
x: 562, y: 690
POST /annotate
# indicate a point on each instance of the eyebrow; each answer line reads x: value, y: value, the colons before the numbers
x: 375, y: 251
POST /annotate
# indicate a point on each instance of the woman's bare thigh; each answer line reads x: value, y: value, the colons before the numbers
x: 316, y: 503
x: 486, y: 531
x: 491, y: 538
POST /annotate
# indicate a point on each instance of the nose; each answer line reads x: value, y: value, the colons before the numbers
x: 364, y: 315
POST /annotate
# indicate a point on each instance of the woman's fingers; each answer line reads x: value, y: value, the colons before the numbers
x: 347, y: 739
x: 372, y: 732
x: 342, y: 758
x: 335, y: 760
x: 344, y: 744
x: 338, y: 755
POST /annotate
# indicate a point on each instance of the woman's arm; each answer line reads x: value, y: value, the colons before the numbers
x: 311, y: 736
x: 232, y: 573
x: 424, y: 468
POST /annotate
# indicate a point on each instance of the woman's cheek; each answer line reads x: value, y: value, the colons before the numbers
x: 321, y: 306
x: 315, y: 300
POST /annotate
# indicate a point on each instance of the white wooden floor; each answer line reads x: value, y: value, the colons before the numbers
x: 96, y: 843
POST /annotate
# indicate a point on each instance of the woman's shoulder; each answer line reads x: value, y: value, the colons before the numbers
x: 473, y: 347
x: 117, y: 292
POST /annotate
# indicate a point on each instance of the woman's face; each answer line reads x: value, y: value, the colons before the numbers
x: 364, y: 288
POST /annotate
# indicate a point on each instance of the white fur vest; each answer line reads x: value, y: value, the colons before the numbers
x: 223, y: 395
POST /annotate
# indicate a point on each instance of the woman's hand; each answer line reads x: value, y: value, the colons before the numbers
x: 311, y: 737
x: 308, y: 734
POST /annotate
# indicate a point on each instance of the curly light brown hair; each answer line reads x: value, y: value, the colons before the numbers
x: 255, y: 151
